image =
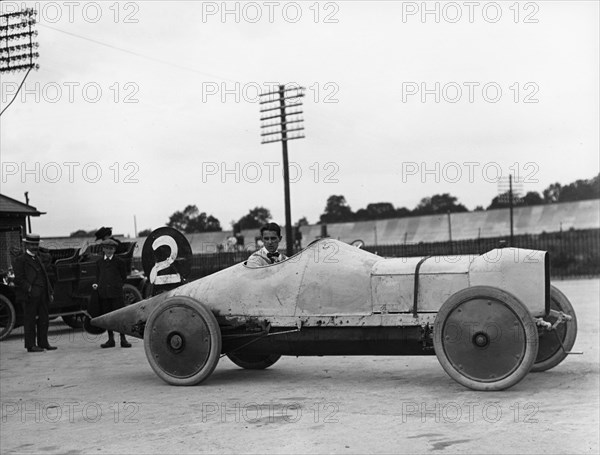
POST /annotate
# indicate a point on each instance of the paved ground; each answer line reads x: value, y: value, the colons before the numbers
x: 83, y: 399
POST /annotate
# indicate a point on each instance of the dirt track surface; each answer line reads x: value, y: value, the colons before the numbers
x: 83, y: 399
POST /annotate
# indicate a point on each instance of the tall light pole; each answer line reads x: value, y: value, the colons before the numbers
x: 509, y: 195
x: 280, y: 113
x: 17, y: 45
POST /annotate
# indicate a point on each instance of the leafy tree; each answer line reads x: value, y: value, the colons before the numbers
x: 580, y: 190
x: 479, y: 208
x: 439, y: 203
x: 403, y: 212
x: 192, y: 220
x: 145, y: 233
x: 82, y: 233
x: 337, y: 210
x: 532, y: 198
x: 254, y: 219
x: 376, y: 211
x: 552, y: 193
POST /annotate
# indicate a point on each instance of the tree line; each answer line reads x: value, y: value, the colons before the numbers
x: 337, y: 210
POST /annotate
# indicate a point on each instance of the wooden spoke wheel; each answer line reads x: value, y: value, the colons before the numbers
x: 8, y: 317
x: 131, y: 295
x: 253, y: 361
x: 182, y: 340
x: 485, y: 338
x: 550, y: 352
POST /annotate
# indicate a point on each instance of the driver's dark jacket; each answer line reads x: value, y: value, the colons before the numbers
x: 31, y: 278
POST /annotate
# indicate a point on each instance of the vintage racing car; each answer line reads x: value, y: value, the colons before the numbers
x: 489, y: 319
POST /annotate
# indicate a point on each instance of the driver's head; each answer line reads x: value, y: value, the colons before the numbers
x: 270, y: 234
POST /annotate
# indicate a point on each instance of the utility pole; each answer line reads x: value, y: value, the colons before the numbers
x: 511, y: 196
x: 450, y: 231
x: 276, y: 128
x: 28, y: 217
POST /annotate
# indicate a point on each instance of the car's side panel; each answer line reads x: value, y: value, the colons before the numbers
x: 393, y: 282
x: 338, y: 283
x: 518, y: 271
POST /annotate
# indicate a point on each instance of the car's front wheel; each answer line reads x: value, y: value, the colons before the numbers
x: 485, y: 338
x: 182, y: 340
x: 556, y: 343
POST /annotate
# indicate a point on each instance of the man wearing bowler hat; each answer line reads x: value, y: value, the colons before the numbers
x: 110, y: 275
x: 34, y: 292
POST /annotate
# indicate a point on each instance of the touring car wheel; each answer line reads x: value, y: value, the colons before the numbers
x: 485, y: 338
x: 253, y: 361
x: 75, y: 321
x: 131, y: 294
x: 8, y: 317
x: 550, y: 352
x: 182, y: 340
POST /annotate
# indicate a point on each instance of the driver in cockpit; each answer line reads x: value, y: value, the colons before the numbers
x: 270, y: 234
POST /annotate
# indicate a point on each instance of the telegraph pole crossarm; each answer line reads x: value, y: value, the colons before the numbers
x: 278, y: 132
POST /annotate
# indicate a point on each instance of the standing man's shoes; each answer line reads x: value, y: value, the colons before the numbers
x: 125, y: 343
x: 35, y: 349
x: 108, y: 344
x: 49, y: 348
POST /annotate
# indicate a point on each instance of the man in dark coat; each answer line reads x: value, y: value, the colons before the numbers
x: 110, y: 274
x: 34, y: 292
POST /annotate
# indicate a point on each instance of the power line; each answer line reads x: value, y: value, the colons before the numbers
x: 137, y: 54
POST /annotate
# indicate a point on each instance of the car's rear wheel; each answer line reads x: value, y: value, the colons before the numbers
x: 8, y: 317
x: 182, y: 340
x: 550, y: 352
x: 253, y: 361
x: 485, y: 338
x: 74, y: 321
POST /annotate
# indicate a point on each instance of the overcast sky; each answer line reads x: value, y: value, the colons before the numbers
x: 141, y: 108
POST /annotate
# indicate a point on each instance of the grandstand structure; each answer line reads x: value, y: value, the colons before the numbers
x: 538, y: 219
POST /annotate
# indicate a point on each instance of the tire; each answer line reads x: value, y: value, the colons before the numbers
x: 131, y: 294
x: 485, y: 338
x: 74, y: 321
x: 253, y: 361
x: 550, y: 352
x: 8, y: 317
x: 182, y: 341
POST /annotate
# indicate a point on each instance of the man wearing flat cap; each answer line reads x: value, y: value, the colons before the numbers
x: 110, y: 275
x: 34, y: 292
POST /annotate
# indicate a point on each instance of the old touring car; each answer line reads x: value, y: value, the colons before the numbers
x: 489, y: 318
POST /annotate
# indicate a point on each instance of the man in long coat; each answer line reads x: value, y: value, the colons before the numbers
x: 34, y: 292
